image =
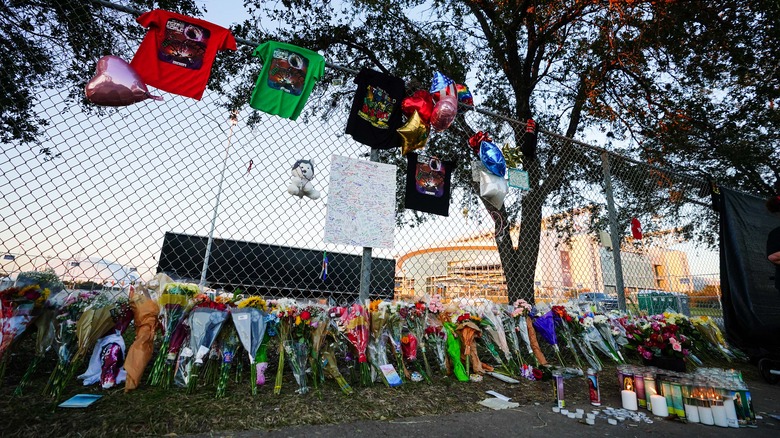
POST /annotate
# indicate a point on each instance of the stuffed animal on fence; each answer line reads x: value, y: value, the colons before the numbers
x: 300, y: 180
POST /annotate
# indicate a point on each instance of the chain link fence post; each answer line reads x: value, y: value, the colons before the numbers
x: 613, y: 232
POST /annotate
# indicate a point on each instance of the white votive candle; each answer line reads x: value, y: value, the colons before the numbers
x: 691, y: 413
x: 629, y: 400
x: 658, y: 403
x: 556, y: 409
x: 572, y: 415
x: 705, y: 415
x: 731, y: 412
x: 590, y: 421
x: 719, y: 414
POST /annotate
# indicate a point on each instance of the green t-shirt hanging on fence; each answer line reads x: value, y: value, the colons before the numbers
x: 289, y: 73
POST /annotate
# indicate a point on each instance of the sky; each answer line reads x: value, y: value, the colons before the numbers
x: 131, y: 174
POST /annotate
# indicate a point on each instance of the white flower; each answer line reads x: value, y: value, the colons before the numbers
x: 600, y: 319
x: 587, y: 322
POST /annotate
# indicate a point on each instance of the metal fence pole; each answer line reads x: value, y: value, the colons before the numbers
x: 365, y: 265
x: 613, y: 232
x: 205, y: 269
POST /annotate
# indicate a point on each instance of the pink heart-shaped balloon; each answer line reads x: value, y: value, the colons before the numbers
x: 116, y: 83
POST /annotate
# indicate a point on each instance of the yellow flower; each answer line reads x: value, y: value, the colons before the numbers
x: 298, y: 320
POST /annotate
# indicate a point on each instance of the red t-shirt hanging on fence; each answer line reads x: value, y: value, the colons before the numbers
x: 177, y: 53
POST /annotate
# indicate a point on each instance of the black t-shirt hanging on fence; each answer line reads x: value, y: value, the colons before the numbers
x: 428, y: 184
x: 376, y: 110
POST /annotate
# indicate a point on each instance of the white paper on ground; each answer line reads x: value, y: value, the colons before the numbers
x: 498, y: 404
x: 497, y: 395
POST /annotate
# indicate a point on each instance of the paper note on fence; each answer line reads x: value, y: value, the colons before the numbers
x: 361, y: 203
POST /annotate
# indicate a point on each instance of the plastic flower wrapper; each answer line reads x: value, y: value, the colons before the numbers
x: 711, y: 332
x: 230, y: 343
x: 377, y: 344
x: 17, y: 307
x: 297, y: 352
x: 355, y: 325
x: 594, y: 339
x: 145, y: 313
x: 331, y: 370
x: 468, y: 331
x: 286, y: 310
x: 495, y: 341
x: 416, y: 321
x: 545, y: 327
x: 436, y: 336
x: 510, y: 331
x: 250, y: 325
x: 174, y: 300
x: 319, y: 329
x: 602, y: 324
x: 105, y: 364
x: 524, y: 326
x: 44, y: 338
x: 454, y: 351
x: 68, y: 315
x: 409, y: 344
x: 568, y: 328
x: 394, y: 334
x: 205, y: 324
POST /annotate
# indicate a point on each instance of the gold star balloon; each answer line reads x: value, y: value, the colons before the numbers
x: 414, y: 134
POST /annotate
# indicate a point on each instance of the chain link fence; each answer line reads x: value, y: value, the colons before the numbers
x: 112, y: 196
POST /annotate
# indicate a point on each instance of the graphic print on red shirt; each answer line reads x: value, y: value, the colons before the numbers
x: 177, y: 52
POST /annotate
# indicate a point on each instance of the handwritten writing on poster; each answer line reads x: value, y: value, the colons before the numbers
x: 361, y: 203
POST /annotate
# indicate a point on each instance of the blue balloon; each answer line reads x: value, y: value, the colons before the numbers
x: 492, y: 158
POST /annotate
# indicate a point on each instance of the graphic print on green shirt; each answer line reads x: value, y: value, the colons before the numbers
x: 288, y: 76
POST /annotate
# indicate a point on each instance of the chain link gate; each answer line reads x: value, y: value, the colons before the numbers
x: 109, y: 197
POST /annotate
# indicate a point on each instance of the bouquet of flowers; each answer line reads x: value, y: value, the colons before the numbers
x: 319, y: 329
x: 205, y: 321
x: 656, y: 336
x: 354, y: 323
x: 435, y: 335
x: 409, y: 349
x: 377, y: 344
x: 108, y: 352
x: 595, y: 340
x: 330, y: 368
x: 604, y: 327
x: 230, y: 343
x: 569, y: 329
x: 174, y: 302
x: 416, y: 321
x: 468, y: 331
x: 44, y: 339
x: 145, y: 313
x: 545, y: 326
x: 286, y: 310
x: 717, y: 342
x: 249, y: 320
x: 66, y: 321
x: 16, y: 314
x: 454, y: 350
x: 394, y: 333
x: 521, y: 313
x: 496, y: 341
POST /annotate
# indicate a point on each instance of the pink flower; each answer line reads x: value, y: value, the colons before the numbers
x: 676, y: 345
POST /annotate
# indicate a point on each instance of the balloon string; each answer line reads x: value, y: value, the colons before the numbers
x: 499, y: 221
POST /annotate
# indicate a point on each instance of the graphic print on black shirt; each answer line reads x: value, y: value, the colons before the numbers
x: 428, y: 184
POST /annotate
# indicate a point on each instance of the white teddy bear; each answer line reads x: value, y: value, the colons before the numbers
x: 300, y: 181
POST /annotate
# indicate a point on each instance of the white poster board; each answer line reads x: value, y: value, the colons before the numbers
x: 361, y: 203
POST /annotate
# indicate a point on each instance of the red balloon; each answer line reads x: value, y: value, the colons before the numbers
x: 116, y: 83
x: 421, y: 102
x: 444, y: 113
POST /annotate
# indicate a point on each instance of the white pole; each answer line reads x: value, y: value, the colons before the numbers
x: 233, y: 122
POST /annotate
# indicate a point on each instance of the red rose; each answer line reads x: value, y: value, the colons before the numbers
x: 305, y: 315
x: 537, y: 374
